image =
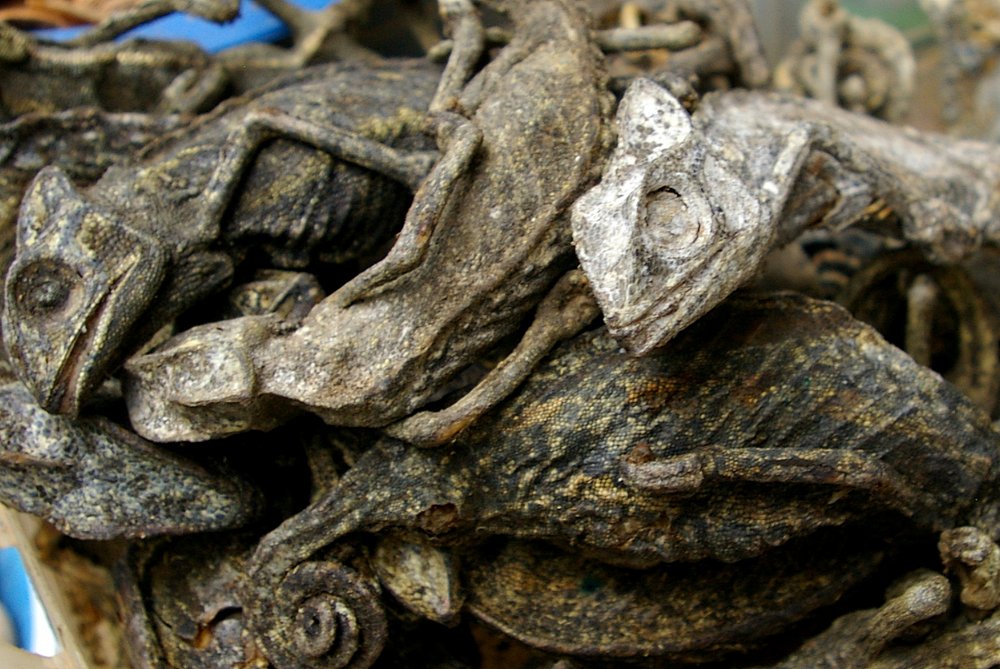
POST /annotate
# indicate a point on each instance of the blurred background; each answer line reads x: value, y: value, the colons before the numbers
x: 778, y: 20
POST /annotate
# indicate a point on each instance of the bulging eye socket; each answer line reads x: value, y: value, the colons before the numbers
x: 674, y: 225
x: 47, y: 289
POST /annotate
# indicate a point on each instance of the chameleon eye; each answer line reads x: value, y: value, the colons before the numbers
x: 46, y: 288
x: 49, y: 294
x: 672, y: 229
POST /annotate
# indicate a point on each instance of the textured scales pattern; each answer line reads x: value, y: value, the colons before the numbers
x: 80, y: 293
x: 93, y: 479
x: 664, y: 459
x: 690, y: 205
x: 536, y: 134
x: 570, y: 604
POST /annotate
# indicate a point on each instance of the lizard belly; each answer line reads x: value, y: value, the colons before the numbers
x: 299, y: 206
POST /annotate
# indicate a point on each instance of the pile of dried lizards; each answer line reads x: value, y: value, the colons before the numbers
x: 574, y: 330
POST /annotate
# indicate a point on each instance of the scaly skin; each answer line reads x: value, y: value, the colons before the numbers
x: 486, y: 239
x: 130, y: 76
x: 93, y: 479
x: 689, y: 204
x: 770, y: 420
x: 83, y: 142
x: 100, y: 269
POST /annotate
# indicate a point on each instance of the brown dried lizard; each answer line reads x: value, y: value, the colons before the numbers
x: 691, y: 203
x: 319, y: 165
x: 773, y: 419
x: 93, y: 479
x: 82, y: 142
x: 486, y: 238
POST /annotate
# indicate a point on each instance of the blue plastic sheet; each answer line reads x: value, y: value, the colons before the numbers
x: 254, y: 24
x: 15, y: 595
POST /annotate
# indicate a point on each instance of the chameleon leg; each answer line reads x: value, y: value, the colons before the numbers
x: 120, y: 22
x: 311, y: 29
x: 671, y: 36
x: 827, y: 29
x: 241, y: 146
x: 567, y: 308
x: 463, y: 23
x: 920, y: 302
x: 299, y: 21
x: 192, y: 91
x: 819, y: 466
x: 854, y: 640
x: 975, y: 558
x: 459, y: 139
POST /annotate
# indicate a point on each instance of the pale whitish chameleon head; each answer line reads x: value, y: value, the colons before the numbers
x: 78, y: 283
x: 672, y: 228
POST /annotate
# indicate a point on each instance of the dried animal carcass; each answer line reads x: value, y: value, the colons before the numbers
x: 721, y: 48
x: 690, y: 204
x: 94, y: 479
x: 451, y: 288
x: 82, y: 142
x: 95, y: 275
x: 651, y: 460
x: 918, y: 627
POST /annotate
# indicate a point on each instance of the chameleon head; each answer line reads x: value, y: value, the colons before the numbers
x: 667, y: 233
x: 80, y: 280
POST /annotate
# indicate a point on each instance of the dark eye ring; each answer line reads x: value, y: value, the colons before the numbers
x: 46, y: 287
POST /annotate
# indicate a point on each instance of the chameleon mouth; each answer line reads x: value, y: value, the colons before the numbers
x: 76, y: 373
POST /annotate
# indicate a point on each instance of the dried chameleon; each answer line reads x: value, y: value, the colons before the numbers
x: 96, y: 274
x: 487, y: 237
x: 640, y: 461
x: 690, y: 204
